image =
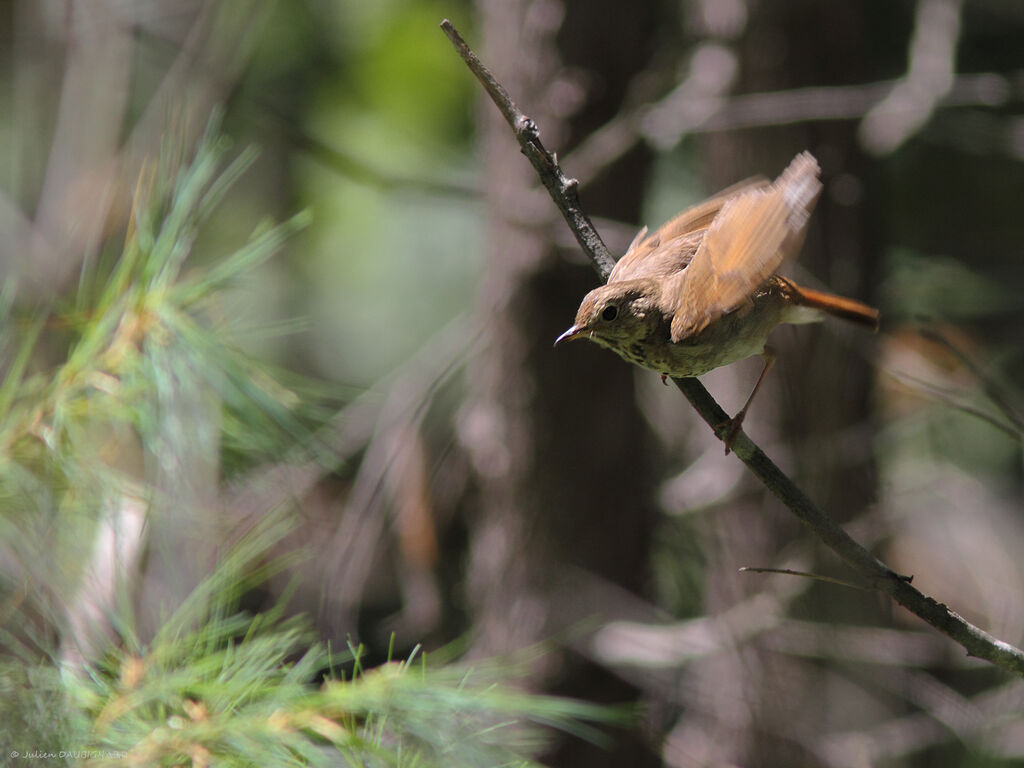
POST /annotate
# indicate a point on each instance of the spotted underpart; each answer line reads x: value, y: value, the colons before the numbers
x: 643, y: 337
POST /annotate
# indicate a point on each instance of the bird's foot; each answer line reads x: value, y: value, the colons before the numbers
x: 729, y: 430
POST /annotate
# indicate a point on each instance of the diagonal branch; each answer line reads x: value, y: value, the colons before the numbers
x: 876, y: 574
x: 564, y: 191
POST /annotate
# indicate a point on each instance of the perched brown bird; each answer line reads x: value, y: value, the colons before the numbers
x: 702, y: 292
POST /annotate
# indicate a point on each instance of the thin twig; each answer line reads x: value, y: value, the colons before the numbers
x: 989, y: 386
x: 876, y: 574
x: 949, y: 399
x: 564, y: 191
x: 806, y: 575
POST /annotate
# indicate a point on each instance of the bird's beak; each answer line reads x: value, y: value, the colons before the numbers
x: 572, y: 333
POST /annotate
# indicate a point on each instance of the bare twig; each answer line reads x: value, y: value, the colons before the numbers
x: 806, y: 575
x: 949, y: 398
x: 563, y: 189
x: 976, y: 641
x: 990, y: 387
x: 875, y: 573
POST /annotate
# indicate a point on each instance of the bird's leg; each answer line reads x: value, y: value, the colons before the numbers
x: 733, y: 425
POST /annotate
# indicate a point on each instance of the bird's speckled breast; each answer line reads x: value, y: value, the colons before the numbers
x: 731, y: 338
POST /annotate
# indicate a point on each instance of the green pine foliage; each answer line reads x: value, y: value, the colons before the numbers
x: 104, y: 375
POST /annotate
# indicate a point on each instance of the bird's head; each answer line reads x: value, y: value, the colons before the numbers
x: 616, y: 314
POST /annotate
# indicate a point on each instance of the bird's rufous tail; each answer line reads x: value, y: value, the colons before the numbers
x: 837, y: 306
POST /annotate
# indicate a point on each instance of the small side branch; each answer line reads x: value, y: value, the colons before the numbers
x: 806, y: 575
x: 875, y: 573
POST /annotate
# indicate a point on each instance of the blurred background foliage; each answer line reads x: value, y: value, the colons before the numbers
x: 234, y: 450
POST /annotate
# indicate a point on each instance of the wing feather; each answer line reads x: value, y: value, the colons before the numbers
x: 747, y: 242
x: 672, y: 246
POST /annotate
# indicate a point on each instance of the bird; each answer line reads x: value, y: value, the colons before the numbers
x: 703, y: 290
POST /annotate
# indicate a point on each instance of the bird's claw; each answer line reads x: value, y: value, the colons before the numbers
x: 730, y: 430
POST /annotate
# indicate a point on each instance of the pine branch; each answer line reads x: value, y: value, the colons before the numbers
x: 875, y: 573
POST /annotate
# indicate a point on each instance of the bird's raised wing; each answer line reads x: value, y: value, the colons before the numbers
x: 672, y: 246
x: 748, y: 240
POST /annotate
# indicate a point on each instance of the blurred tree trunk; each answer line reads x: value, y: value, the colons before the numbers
x: 555, y: 438
x: 817, y: 396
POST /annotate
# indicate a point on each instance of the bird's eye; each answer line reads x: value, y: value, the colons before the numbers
x: 610, y: 313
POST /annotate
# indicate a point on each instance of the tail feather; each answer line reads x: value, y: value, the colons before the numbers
x: 837, y: 306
